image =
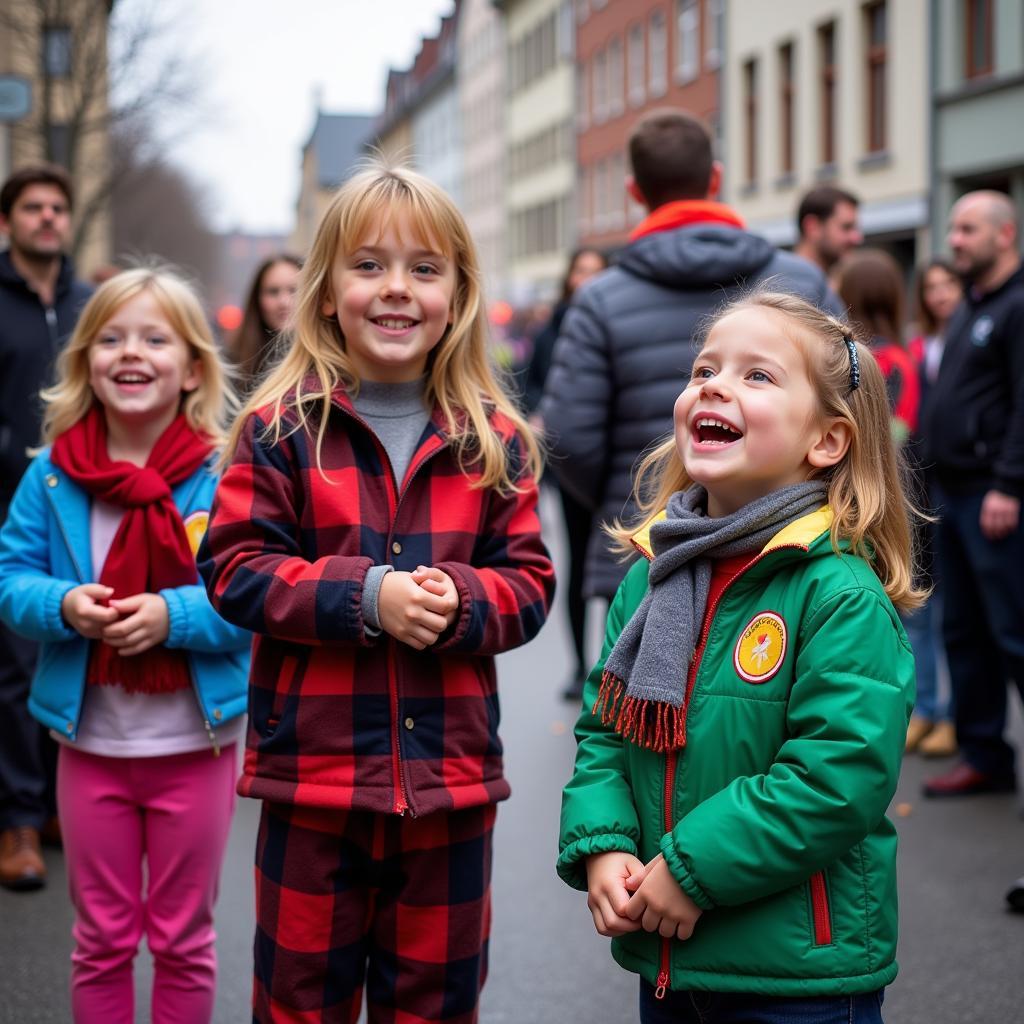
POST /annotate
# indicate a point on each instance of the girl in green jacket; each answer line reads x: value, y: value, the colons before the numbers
x: 742, y: 731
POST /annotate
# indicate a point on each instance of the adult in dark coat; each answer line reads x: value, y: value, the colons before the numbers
x: 583, y: 265
x: 39, y: 304
x: 627, y: 342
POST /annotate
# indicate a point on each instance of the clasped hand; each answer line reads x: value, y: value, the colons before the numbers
x: 417, y: 607
x: 625, y: 895
x: 131, y: 625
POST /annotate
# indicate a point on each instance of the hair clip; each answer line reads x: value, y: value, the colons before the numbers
x: 851, y: 348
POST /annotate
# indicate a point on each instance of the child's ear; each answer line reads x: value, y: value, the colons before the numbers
x: 328, y: 308
x: 194, y: 377
x: 831, y: 444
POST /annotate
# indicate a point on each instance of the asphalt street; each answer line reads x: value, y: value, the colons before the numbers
x: 961, y: 953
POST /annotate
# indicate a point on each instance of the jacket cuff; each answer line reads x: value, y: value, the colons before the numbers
x: 177, y: 620
x: 371, y: 596
x: 682, y: 875
x: 54, y: 619
x: 1006, y: 485
x: 570, y: 865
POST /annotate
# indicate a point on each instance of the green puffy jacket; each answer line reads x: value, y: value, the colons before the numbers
x: 776, y: 824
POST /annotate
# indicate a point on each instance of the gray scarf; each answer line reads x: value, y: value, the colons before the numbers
x: 643, y: 688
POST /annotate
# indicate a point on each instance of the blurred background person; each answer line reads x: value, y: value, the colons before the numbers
x: 870, y: 285
x: 828, y: 223
x: 583, y: 264
x: 268, y: 309
x: 938, y: 290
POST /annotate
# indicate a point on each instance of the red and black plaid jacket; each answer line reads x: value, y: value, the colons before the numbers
x: 337, y: 718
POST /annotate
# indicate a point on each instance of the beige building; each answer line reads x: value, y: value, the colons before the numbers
x: 829, y: 91
x: 540, y: 145
x: 481, y: 76
x: 62, y: 63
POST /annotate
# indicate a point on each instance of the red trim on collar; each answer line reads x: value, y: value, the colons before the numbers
x: 681, y: 212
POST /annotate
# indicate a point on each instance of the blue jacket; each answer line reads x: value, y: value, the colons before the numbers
x: 45, y: 551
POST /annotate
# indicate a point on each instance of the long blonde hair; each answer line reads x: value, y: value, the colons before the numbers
x: 71, y: 397
x: 872, y: 510
x: 461, y: 379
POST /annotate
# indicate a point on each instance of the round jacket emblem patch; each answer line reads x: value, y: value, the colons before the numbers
x: 195, y: 527
x: 760, y: 648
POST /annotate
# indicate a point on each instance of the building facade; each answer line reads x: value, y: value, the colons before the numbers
x: 481, y: 77
x: 58, y: 51
x: 978, y: 110
x: 540, y: 145
x: 829, y: 91
x: 333, y: 151
x: 633, y: 56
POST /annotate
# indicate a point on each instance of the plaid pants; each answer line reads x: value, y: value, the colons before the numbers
x: 346, y: 896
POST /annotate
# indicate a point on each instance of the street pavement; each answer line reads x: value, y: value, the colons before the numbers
x: 961, y: 953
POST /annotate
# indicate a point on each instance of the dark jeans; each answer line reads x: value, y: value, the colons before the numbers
x: 736, y: 1008
x: 983, y: 627
x: 28, y: 756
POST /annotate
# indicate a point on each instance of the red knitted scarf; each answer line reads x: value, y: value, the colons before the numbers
x: 150, y: 550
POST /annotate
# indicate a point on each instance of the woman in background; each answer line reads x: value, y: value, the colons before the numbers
x: 267, y: 311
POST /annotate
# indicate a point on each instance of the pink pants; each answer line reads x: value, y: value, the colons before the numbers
x: 174, y: 813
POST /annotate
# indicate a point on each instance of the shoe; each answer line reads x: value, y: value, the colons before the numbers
x: 918, y: 729
x: 21, y: 861
x: 50, y: 835
x: 574, y: 690
x: 940, y: 742
x: 1015, y: 896
x: 963, y: 780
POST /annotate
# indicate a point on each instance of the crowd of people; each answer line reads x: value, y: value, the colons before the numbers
x: 798, y: 501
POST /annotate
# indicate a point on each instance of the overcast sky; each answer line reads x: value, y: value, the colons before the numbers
x: 260, y: 64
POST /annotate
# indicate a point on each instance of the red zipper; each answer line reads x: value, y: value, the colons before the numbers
x: 819, y: 905
x: 401, y: 803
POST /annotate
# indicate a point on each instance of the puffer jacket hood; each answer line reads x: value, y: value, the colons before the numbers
x: 698, y: 257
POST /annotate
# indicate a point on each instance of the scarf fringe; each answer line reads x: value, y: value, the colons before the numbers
x: 158, y: 670
x: 647, y: 723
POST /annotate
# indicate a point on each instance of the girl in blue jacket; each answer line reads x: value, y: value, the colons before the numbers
x: 138, y: 678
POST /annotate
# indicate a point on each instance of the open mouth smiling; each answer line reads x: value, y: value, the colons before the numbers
x: 131, y: 377
x: 711, y: 430
x: 394, y: 323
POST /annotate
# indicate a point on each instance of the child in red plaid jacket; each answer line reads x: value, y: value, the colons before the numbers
x: 376, y: 528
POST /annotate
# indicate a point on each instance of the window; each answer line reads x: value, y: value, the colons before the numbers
x: 617, y: 192
x: 875, y: 18
x: 657, y: 55
x: 716, y: 21
x: 582, y: 97
x: 786, y: 108
x: 750, y: 118
x: 600, y: 88
x: 635, y: 65
x: 688, y: 41
x: 582, y: 11
x: 57, y: 51
x: 58, y: 144
x: 615, y: 81
x: 827, y: 91
x: 978, y: 37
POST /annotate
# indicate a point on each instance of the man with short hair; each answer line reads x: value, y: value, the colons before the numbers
x: 627, y: 342
x: 829, y: 226
x: 39, y: 304
x: 973, y: 430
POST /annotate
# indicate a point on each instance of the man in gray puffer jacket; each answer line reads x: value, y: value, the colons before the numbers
x: 627, y: 343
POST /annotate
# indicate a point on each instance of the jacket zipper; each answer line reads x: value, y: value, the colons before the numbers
x: 672, y: 756
x: 401, y: 804
x: 819, y: 905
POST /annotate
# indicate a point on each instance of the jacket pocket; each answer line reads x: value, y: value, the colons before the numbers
x: 821, y: 915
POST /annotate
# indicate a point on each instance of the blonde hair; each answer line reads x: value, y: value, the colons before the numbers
x: 866, y: 491
x: 461, y: 379
x: 206, y: 408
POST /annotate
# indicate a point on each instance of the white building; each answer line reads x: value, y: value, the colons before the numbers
x: 829, y: 92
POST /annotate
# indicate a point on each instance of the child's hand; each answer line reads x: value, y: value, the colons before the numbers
x: 435, y: 581
x: 144, y: 623
x: 659, y: 905
x: 608, y: 891
x: 85, y: 611
x: 409, y: 612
